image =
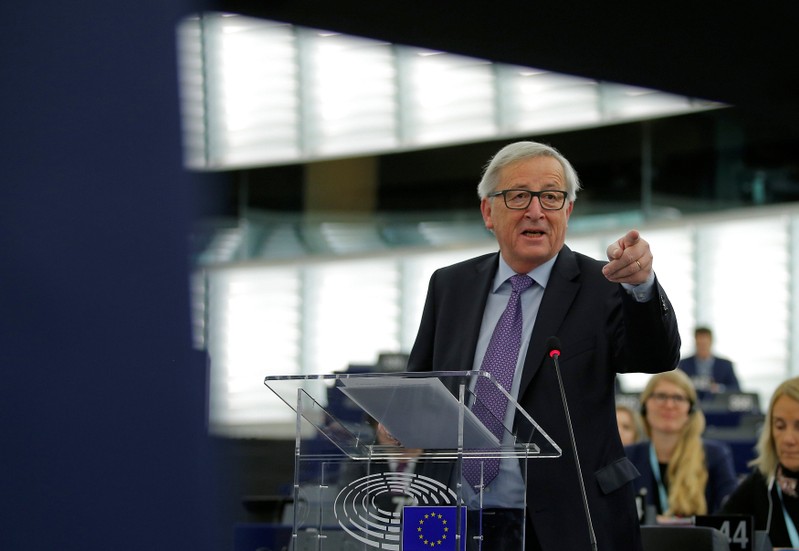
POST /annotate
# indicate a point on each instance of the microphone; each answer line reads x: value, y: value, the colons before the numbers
x: 553, y: 349
x: 640, y: 505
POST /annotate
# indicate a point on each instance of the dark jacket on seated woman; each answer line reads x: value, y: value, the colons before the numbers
x: 753, y: 497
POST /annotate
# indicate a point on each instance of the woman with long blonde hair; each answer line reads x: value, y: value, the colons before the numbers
x: 770, y: 493
x: 683, y: 474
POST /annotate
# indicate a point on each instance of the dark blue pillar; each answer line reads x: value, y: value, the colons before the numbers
x: 102, y: 400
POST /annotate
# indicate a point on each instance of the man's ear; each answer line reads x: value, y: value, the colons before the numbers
x: 485, y: 210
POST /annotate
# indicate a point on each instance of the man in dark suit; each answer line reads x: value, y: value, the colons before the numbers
x: 709, y: 373
x: 609, y: 317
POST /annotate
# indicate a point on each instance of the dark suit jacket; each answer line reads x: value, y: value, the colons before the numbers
x: 602, y: 331
x: 723, y: 372
x: 752, y: 497
x: 721, y: 480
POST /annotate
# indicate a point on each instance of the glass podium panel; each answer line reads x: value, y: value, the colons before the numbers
x: 379, y: 459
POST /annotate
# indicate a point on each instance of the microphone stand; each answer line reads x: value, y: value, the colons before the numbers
x: 555, y: 354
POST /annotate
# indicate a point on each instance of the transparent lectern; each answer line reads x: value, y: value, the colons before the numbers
x: 356, y: 488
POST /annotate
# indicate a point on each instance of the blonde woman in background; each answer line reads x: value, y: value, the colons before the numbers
x: 769, y: 493
x: 682, y: 473
x: 631, y: 429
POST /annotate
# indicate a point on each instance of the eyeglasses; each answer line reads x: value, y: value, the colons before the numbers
x: 520, y: 199
x: 661, y: 398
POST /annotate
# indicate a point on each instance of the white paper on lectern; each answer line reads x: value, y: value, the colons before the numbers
x: 419, y: 412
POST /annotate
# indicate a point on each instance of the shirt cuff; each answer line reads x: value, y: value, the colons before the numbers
x: 642, y: 292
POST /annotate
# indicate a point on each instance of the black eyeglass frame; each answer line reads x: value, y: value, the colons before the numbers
x: 663, y: 397
x: 538, y: 194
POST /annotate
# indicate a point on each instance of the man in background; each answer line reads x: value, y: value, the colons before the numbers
x: 709, y: 373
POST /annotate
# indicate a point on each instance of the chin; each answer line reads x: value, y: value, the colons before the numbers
x: 791, y: 464
x: 537, y: 254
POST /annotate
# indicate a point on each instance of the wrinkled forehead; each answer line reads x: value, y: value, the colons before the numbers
x: 539, y: 169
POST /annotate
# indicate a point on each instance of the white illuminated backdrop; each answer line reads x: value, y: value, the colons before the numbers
x: 255, y: 321
x: 537, y: 100
x: 449, y: 98
x: 313, y: 316
x: 258, y: 92
x: 353, y: 310
x: 349, y: 93
x: 743, y: 292
x: 256, y: 113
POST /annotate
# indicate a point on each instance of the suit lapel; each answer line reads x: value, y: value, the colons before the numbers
x: 560, y: 293
x: 472, y: 312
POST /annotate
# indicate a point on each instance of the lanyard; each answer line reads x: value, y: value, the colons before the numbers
x: 788, y: 521
x: 653, y: 461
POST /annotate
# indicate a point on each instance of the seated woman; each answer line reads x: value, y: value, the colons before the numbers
x: 631, y: 429
x: 769, y: 492
x: 682, y: 473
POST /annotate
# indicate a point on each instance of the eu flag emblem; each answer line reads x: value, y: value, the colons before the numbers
x: 425, y: 528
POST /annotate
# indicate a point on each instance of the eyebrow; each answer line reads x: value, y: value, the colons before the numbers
x: 547, y: 187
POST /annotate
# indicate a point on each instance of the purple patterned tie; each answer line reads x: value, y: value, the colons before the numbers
x: 500, y: 360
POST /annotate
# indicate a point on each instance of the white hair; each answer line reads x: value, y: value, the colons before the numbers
x: 520, y: 151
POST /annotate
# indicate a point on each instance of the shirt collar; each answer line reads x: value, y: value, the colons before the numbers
x: 540, y: 274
